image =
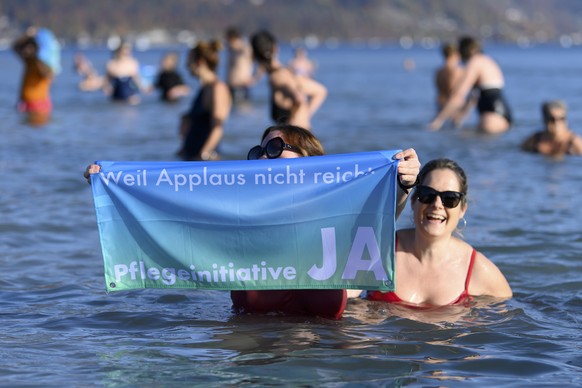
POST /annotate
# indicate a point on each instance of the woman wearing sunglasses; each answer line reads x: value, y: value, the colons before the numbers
x: 556, y: 139
x: 289, y: 141
x: 432, y: 267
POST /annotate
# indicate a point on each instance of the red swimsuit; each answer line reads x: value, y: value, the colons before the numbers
x: 391, y: 296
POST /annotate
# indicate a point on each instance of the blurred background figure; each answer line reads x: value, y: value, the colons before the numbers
x: 300, y: 64
x: 91, y: 80
x: 168, y: 81
x: 448, y: 75
x: 294, y: 98
x: 556, y: 139
x: 202, y: 128
x: 483, y: 75
x: 123, y: 78
x: 239, y: 77
x: 40, y: 54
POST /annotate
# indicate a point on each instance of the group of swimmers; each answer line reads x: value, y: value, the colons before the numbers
x: 434, y: 266
x: 480, y: 83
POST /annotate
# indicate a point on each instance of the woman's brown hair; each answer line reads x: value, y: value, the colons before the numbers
x: 300, y: 138
x: 208, y: 52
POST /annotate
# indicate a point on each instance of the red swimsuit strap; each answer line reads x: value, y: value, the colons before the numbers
x: 470, y: 271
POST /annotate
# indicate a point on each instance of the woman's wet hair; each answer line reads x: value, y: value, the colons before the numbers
x: 448, y: 164
x: 299, y: 137
x: 208, y: 51
x: 468, y: 46
x: 263, y: 44
x: 549, y: 106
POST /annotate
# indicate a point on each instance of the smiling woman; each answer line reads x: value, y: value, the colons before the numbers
x: 434, y: 268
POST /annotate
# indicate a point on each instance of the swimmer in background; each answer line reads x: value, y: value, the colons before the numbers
x: 91, y: 79
x: 239, y: 73
x: 447, y: 77
x: 294, y: 98
x: 300, y: 64
x: 123, y: 81
x: 169, y: 81
x: 202, y: 127
x: 556, y: 139
x: 34, y: 99
x: 484, y: 75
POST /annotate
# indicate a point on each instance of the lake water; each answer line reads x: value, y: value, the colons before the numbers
x: 60, y: 328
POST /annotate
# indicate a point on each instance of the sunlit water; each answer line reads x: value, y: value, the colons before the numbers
x: 60, y: 328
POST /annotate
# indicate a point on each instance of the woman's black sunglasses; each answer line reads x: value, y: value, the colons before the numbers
x: 273, y: 149
x: 427, y: 195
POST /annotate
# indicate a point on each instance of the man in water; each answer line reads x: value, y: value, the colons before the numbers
x: 556, y: 139
x: 239, y: 66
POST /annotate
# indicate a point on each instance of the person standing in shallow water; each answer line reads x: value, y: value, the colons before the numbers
x: 239, y: 72
x: 123, y: 78
x: 448, y: 75
x: 483, y: 74
x: 294, y: 98
x: 34, y: 99
x: 557, y: 139
x: 300, y: 64
x: 168, y: 81
x: 202, y: 127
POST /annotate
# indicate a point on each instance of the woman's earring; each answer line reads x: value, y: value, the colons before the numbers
x: 460, y: 230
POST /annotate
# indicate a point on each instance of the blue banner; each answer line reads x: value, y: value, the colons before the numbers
x: 322, y: 222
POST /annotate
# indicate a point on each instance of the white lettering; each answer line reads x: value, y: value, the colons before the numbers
x: 329, y: 256
x: 365, y: 239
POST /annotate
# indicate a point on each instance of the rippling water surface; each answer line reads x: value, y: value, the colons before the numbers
x: 59, y: 327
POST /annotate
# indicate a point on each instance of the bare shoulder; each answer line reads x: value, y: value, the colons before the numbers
x: 487, y: 279
x: 577, y: 145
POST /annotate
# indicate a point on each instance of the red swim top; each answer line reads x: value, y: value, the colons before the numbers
x: 391, y: 296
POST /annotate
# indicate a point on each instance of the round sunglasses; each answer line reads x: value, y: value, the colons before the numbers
x: 428, y: 195
x: 273, y: 149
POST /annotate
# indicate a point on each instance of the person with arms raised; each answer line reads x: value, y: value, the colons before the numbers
x: 287, y: 141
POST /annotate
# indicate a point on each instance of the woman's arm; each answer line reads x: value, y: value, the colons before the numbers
x: 315, y: 92
x: 488, y: 280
